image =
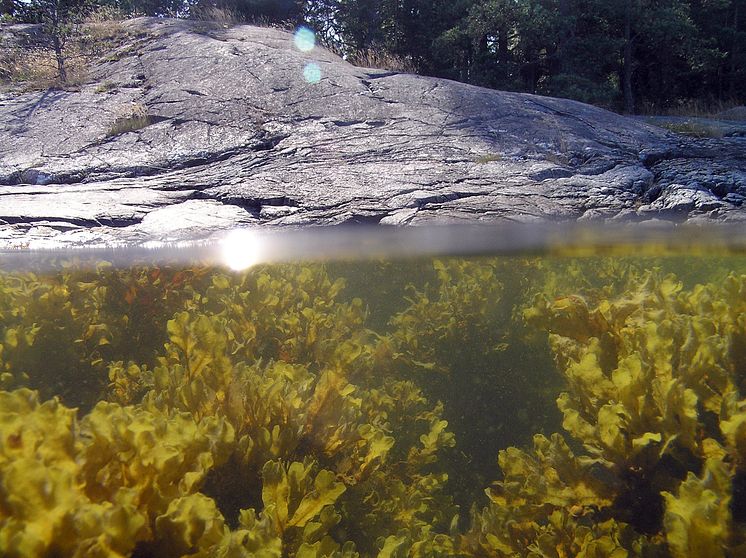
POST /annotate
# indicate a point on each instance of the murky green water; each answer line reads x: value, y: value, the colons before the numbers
x: 485, y: 406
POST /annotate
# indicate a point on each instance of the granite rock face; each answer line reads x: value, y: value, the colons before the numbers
x: 188, y: 129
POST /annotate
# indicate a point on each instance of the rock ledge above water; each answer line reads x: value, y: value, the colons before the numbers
x: 237, y: 137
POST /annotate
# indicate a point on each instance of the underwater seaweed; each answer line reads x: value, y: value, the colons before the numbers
x: 60, y: 330
x: 302, y: 397
x: 652, y: 376
x: 261, y: 414
x: 551, y: 503
x: 95, y: 487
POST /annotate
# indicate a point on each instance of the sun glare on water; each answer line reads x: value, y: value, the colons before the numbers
x: 242, y: 249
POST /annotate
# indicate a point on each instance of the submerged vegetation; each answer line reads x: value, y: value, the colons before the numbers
x: 485, y: 407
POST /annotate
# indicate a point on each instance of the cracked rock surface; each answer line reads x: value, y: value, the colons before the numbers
x: 187, y: 130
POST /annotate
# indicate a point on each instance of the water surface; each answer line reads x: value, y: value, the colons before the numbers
x: 583, y: 399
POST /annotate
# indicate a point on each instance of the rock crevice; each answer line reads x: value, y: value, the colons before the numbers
x: 236, y: 136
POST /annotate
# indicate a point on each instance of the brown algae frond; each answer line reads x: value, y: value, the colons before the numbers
x: 509, y: 407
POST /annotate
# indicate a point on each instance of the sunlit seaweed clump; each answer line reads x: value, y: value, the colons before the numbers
x: 194, y: 412
x: 653, y: 406
x: 268, y: 424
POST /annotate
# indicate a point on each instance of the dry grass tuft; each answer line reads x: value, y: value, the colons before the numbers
x: 108, y: 16
x: 222, y: 17
x: 694, y: 129
x: 696, y: 108
x: 379, y: 59
x: 106, y: 87
x: 31, y: 68
x: 134, y: 117
x: 488, y: 158
x: 28, y: 63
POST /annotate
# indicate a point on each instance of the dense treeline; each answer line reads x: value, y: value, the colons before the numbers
x: 630, y: 55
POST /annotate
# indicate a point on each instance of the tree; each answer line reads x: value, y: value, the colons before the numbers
x: 722, y: 60
x: 667, y: 44
x: 360, y: 23
x: 320, y: 15
x: 8, y: 8
x: 621, y: 54
x: 492, y: 25
x: 59, y: 20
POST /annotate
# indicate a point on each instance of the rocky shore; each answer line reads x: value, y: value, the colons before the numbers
x: 185, y: 130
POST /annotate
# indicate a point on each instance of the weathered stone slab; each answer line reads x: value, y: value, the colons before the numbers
x: 237, y: 136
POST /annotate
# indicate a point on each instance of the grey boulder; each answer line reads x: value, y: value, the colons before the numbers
x: 188, y: 130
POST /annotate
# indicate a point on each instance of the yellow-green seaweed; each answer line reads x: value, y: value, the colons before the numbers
x: 195, y: 412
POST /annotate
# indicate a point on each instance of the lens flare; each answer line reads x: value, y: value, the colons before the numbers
x: 242, y: 249
x: 304, y: 39
x: 312, y: 73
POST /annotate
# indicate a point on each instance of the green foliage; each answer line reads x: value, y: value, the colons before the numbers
x: 106, y: 87
x: 626, y: 55
x: 678, y: 50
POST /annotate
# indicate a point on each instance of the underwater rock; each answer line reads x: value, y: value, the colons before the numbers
x: 234, y: 135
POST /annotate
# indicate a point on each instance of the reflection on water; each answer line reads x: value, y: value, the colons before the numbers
x: 484, y: 406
